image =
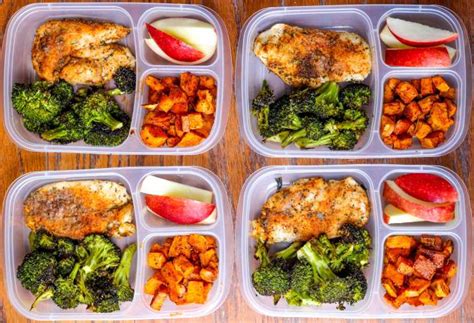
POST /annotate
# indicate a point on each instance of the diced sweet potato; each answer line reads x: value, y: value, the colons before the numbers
x: 400, y: 300
x: 416, y: 286
x: 427, y: 87
x: 438, y: 118
x: 401, y: 126
x: 206, y: 82
x: 437, y: 257
x: 393, y: 108
x: 189, y: 83
x: 153, y: 96
x: 177, y: 293
x: 195, y: 121
x: 451, y: 107
x: 172, y: 141
x: 177, y: 95
x: 412, y: 111
x: 154, y: 83
x: 205, y: 103
x: 440, y: 288
x: 208, y: 274
x: 422, y: 129
x: 180, y: 246
x: 158, y: 300
x: 387, y: 126
x: 389, y: 299
x: 190, y: 139
x: 440, y: 84
x: 153, y: 136
x: 448, y: 247
x: 403, y: 141
x: 428, y: 298
x: 426, y: 104
x: 159, y: 119
x: 417, y: 84
x: 170, y: 274
x: 394, y: 253
x: 183, y: 265
x: 152, y: 284
x: 179, y: 108
x: 449, y: 94
x: 433, y: 140
x: 156, y: 260
x: 406, y: 91
x: 390, y: 139
x: 424, y: 267
x: 199, y: 242
x: 389, y: 287
x: 404, y: 266
x: 403, y: 242
x: 195, y: 292
x: 391, y: 273
x: 206, y: 256
x: 414, y: 301
x: 208, y: 122
x: 449, y: 270
x: 155, y: 247
x: 165, y: 103
x: 170, y: 81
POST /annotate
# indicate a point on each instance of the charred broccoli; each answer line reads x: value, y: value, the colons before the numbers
x: 355, y: 95
x: 65, y: 266
x: 37, y: 271
x: 121, y: 275
x: 42, y: 240
x: 104, y: 297
x: 69, y: 129
x: 64, y: 92
x: 125, y: 80
x: 102, y: 135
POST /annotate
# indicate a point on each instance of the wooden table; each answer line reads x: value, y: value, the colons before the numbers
x: 232, y: 160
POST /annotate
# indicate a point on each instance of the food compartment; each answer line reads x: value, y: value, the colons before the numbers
x: 25, y: 23
x: 437, y: 17
x: 258, y: 188
x: 253, y: 72
x: 169, y: 308
x: 445, y: 305
x: 459, y: 212
x: 155, y: 223
x: 454, y: 134
x: 200, y: 13
x: 16, y: 240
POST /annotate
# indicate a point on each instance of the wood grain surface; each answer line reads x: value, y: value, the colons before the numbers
x: 232, y: 160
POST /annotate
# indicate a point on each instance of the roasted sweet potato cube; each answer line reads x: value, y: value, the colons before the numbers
x: 206, y: 256
x: 417, y: 84
x: 389, y: 287
x: 437, y: 257
x: 207, y: 289
x: 404, y: 266
x: 448, y: 247
x: 388, y: 93
x: 402, y: 126
x: 414, y: 301
x: 180, y: 108
x: 199, y: 242
x: 177, y: 95
x: 195, y: 292
x: 422, y: 129
x: 170, y: 81
x: 428, y: 298
x: 406, y: 91
x: 165, y: 103
x: 190, y: 139
x: 390, y: 139
x: 426, y: 104
x: 449, y: 270
x: 427, y: 87
x: 452, y: 108
x: 159, y: 119
x: 433, y: 140
x: 208, y: 274
x: 449, y: 94
x: 403, y: 141
x: 393, y: 108
x: 155, y: 84
x: 172, y: 141
x: 208, y: 122
x: 439, y: 118
x: 403, y: 242
x: 412, y: 111
x: 170, y: 274
x: 206, y: 82
x: 440, y: 288
x: 155, y: 247
x: 183, y: 265
x: 178, y: 125
x: 387, y: 126
x: 394, y: 253
x: 389, y: 299
x: 391, y: 273
x: 156, y: 260
x: 440, y: 84
x: 206, y: 102
x: 153, y: 96
x: 180, y: 246
x: 158, y: 300
x: 400, y: 300
x: 153, y: 136
x: 416, y: 286
x: 186, y: 124
x: 195, y: 120
x: 189, y: 83
x: 176, y: 293
x: 424, y: 267
x: 152, y: 285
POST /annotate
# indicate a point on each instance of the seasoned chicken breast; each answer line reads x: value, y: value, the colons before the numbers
x: 99, y: 69
x: 56, y: 40
x: 310, y: 207
x: 75, y: 209
x: 310, y: 57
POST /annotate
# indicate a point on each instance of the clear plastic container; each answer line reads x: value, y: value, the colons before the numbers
x: 17, y: 67
x: 261, y: 185
x: 16, y: 242
x: 367, y: 21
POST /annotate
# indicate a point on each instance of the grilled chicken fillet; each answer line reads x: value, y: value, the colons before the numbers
x: 311, y: 57
x: 310, y: 207
x: 75, y: 209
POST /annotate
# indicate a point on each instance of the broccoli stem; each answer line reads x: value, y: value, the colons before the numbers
x: 321, y: 270
x: 47, y: 294
x: 114, y: 92
x: 290, y: 251
x: 110, y: 122
x: 55, y: 134
x: 261, y: 253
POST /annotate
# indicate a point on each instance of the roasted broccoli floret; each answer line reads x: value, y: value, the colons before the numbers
x: 65, y: 247
x: 282, y: 116
x: 66, y: 293
x: 125, y: 79
x: 326, y: 102
x: 43, y: 240
x: 69, y: 129
x: 358, y: 122
x: 102, y: 135
x: 37, y: 271
x: 279, y: 137
x: 355, y: 95
x: 261, y: 107
x: 352, y: 248
x: 64, y: 92
x: 36, y: 102
x: 36, y: 127
x: 312, y: 129
x: 121, y: 275
x: 103, y: 292
x: 65, y: 266
x: 344, y: 140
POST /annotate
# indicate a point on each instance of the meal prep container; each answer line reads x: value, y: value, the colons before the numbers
x: 367, y: 21
x: 16, y: 242
x: 18, y: 68
x: 261, y: 185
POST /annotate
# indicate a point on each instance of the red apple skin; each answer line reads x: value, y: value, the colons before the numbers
x: 439, y: 212
x: 179, y: 210
x: 418, y: 57
x: 173, y: 47
x: 428, y: 187
x: 405, y: 39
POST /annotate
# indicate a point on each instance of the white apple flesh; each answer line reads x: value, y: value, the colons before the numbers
x: 154, y: 185
x: 416, y: 34
x: 394, y: 215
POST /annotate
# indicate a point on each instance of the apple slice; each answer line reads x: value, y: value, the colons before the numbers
x: 393, y: 215
x: 158, y: 186
x: 427, y: 187
x: 179, y: 210
x: 418, y: 57
x: 390, y: 40
x: 174, y: 47
x: 415, y: 34
x: 428, y: 211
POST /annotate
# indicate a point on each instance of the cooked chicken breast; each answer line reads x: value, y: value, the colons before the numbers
x: 310, y: 207
x: 311, y: 57
x: 75, y: 209
x: 97, y: 70
x: 56, y: 40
